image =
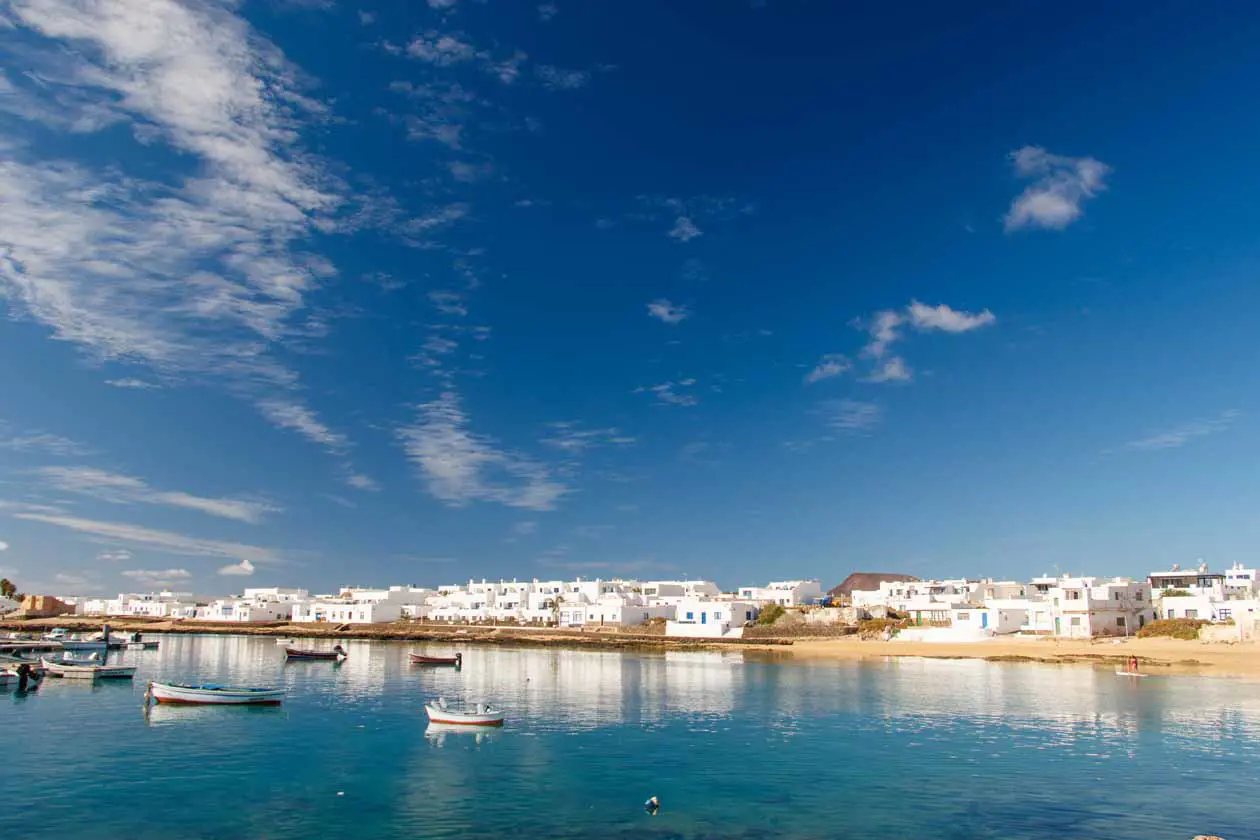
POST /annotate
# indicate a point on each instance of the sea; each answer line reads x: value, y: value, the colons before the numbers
x: 733, y: 744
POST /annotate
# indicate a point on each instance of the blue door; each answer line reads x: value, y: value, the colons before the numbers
x: 984, y: 620
x: 704, y: 618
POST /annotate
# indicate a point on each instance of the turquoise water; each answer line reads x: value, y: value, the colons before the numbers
x: 734, y: 746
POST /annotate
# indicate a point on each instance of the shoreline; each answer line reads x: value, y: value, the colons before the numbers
x: 1155, y: 655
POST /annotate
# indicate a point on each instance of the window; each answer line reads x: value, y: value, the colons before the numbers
x: 717, y: 615
x: 691, y: 616
x: 1224, y: 615
x: 1172, y: 613
x: 1120, y: 621
x: 1138, y: 596
x: 1074, y: 595
x: 748, y: 615
x: 1192, y: 613
x: 1076, y: 621
x: 964, y: 616
x: 1115, y: 596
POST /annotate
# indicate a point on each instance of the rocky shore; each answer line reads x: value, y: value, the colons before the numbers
x: 599, y: 639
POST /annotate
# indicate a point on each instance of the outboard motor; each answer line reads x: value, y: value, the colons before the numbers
x: 24, y: 676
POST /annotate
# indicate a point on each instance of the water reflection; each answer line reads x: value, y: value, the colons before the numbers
x: 176, y: 715
x: 438, y: 733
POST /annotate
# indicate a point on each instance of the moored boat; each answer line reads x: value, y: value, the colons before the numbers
x: 89, y: 672
x: 286, y: 642
x: 480, y: 715
x: 212, y: 695
x: 417, y: 659
x: 337, y: 654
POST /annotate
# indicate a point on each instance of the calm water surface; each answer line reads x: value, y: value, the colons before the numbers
x: 735, y: 747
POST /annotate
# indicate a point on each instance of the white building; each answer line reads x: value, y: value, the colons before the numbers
x: 359, y: 605
x: 1087, y: 607
x: 785, y: 593
x: 703, y: 618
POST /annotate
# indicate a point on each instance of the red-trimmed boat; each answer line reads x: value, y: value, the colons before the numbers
x: 457, y: 660
x: 337, y: 654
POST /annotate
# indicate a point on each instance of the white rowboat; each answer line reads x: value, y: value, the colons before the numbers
x: 481, y: 715
x: 213, y: 695
x: 89, y: 672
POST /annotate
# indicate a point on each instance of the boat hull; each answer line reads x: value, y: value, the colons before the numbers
x: 89, y: 672
x: 417, y: 659
x: 451, y: 717
x: 314, y: 655
x: 189, y: 695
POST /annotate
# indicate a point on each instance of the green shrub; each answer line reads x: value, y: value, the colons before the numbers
x: 770, y: 613
x: 1173, y: 628
x: 1176, y: 593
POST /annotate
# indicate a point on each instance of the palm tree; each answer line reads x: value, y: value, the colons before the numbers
x: 7, y: 588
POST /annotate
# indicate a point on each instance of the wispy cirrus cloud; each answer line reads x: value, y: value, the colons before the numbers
x: 1062, y: 185
x: 135, y: 384
x: 829, y: 366
x: 556, y: 78
x: 684, y: 229
x: 672, y: 393
x: 41, y: 443
x: 853, y: 416
x: 547, y: 11
x: 124, y: 489
x: 667, y: 312
x: 570, y: 437
x: 202, y: 275
x: 295, y: 416
x: 459, y: 466
x: 120, y: 555
x: 885, y: 329
x: 152, y: 538
x: 157, y: 578
x: 1185, y: 433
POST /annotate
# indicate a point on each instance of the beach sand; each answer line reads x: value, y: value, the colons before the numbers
x: 1154, y: 655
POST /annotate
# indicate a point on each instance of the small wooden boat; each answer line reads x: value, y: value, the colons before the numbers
x: 457, y: 660
x: 89, y: 672
x: 480, y: 715
x: 212, y: 695
x: 337, y: 654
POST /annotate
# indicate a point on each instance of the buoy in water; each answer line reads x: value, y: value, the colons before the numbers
x: 652, y: 805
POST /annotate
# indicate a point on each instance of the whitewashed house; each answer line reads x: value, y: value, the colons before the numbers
x: 703, y: 618
x: 358, y: 605
x: 785, y: 593
x: 671, y: 592
x: 1087, y: 607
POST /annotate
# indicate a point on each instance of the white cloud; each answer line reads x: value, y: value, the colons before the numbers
x: 441, y: 49
x: 448, y: 303
x: 362, y: 482
x: 201, y: 274
x: 157, y: 578
x: 75, y: 580
x: 853, y: 416
x: 672, y: 393
x: 4, y: 546
x: 125, y: 489
x: 892, y: 369
x: 829, y: 366
x: 885, y: 330
x: 367, y: 18
x: 469, y: 173
x: 459, y: 466
x: 138, y: 384
x: 547, y: 11
x: 115, y: 556
x: 1181, y: 435
x: 663, y: 310
x: 684, y: 230
x: 554, y: 78
x: 941, y: 317
x: 1053, y: 201
x: 296, y: 417
x: 442, y: 4
x: 244, y: 568
x: 166, y: 540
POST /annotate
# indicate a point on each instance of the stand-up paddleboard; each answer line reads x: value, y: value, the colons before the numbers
x: 1120, y: 672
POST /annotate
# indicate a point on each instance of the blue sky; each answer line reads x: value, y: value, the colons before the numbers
x: 322, y: 293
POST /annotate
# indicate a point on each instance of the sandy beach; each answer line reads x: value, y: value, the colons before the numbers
x: 1155, y: 655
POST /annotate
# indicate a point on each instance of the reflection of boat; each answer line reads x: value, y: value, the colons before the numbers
x: 481, y: 715
x: 438, y: 732
x: 416, y: 659
x: 90, y: 672
x: 337, y: 654
x: 213, y: 695
x: 286, y: 642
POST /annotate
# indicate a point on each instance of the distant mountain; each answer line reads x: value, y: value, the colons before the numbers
x: 866, y: 581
